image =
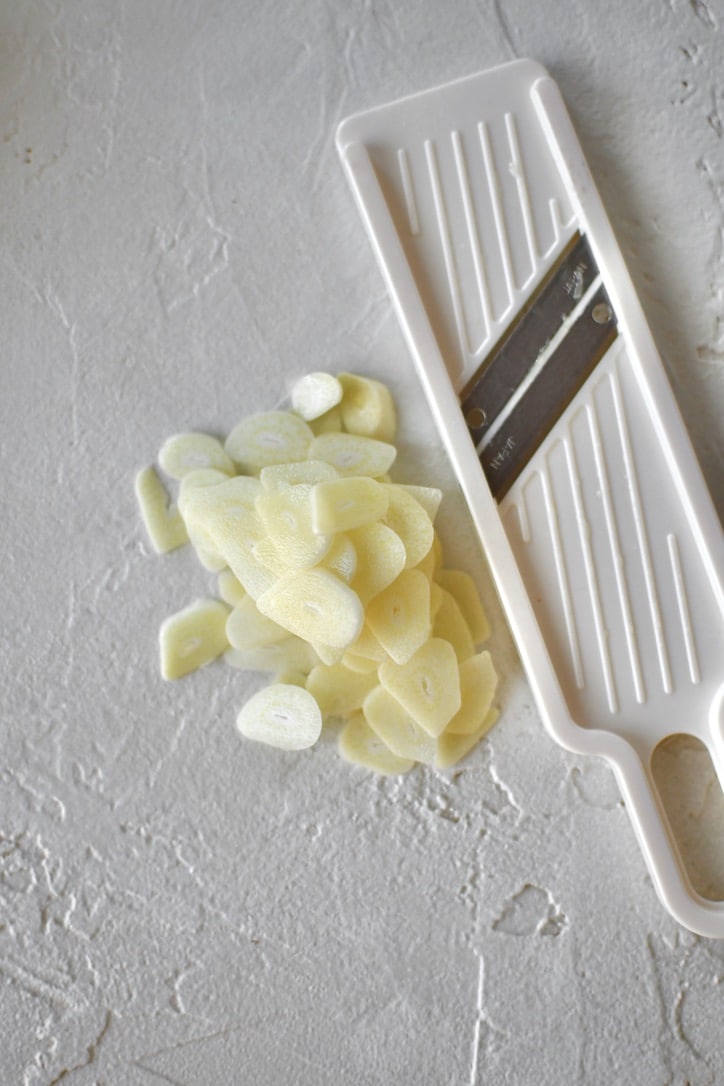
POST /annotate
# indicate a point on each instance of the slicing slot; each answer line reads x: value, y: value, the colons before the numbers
x: 690, y: 793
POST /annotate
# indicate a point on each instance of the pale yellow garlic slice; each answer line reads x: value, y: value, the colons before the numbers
x: 329, y: 423
x: 281, y: 715
x: 287, y: 517
x: 389, y: 720
x: 265, y: 552
x: 409, y: 520
x: 231, y: 590
x: 193, y: 637
x: 315, y: 394
x: 337, y: 690
x: 462, y: 587
x: 248, y: 628
x: 341, y: 558
x: 453, y: 748
x: 353, y: 455
x: 279, y: 476
x: 361, y: 664
x: 184, y: 453
x: 328, y: 654
x: 428, y: 685
x: 399, y: 616
x: 188, y: 504
x: 429, y: 497
x: 225, y: 514
x: 291, y: 654
x: 359, y: 745
x: 478, y: 683
x: 315, y: 605
x: 270, y: 437
x: 449, y: 623
x: 342, y: 504
x: 162, y: 520
x: 199, y: 479
x: 367, y: 647
x: 381, y: 557
x: 367, y: 407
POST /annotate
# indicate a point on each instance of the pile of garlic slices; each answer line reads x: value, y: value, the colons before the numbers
x: 330, y: 578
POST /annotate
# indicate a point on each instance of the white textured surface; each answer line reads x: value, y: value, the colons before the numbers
x: 177, y: 905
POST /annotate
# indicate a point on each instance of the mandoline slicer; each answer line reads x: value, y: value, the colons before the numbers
x: 555, y: 410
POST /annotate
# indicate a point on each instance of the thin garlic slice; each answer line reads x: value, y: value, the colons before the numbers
x: 282, y: 715
x: 353, y: 455
x: 478, y: 683
x: 315, y: 605
x: 329, y: 423
x: 162, y: 520
x: 193, y: 637
x: 184, y: 453
x: 291, y: 654
x: 462, y: 587
x: 286, y: 516
x: 395, y: 727
x: 428, y: 685
x: 270, y: 437
x: 399, y: 616
x: 337, y: 690
x: 367, y: 407
x: 341, y: 558
x: 315, y: 394
x: 453, y: 748
x: 231, y: 590
x: 450, y: 624
x: 248, y: 628
x: 359, y: 745
x: 342, y: 504
x: 381, y: 558
x: 279, y: 476
x: 410, y: 521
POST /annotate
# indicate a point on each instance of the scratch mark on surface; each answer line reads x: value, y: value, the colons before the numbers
x: 91, y: 1053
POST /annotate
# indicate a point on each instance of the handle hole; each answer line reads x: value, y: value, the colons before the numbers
x: 691, y: 795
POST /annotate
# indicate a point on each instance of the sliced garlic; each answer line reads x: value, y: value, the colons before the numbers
x: 286, y: 516
x: 184, y: 453
x: 359, y: 745
x: 291, y: 654
x: 409, y: 520
x: 399, y: 616
x: 231, y: 590
x: 452, y: 748
x: 248, y: 628
x: 315, y: 605
x: 428, y: 685
x: 342, y: 504
x: 450, y: 624
x: 329, y: 423
x: 353, y: 455
x: 279, y: 476
x: 192, y: 637
x: 478, y: 683
x: 162, y: 521
x: 462, y: 587
x: 367, y: 407
x: 395, y: 727
x: 315, y: 394
x: 281, y: 715
x: 270, y: 437
x: 341, y: 558
x: 381, y: 558
x: 337, y: 690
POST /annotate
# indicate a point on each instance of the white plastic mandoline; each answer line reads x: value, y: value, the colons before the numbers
x: 604, y: 543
